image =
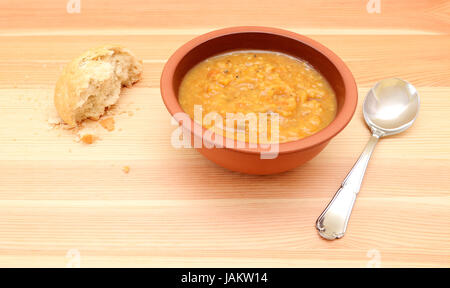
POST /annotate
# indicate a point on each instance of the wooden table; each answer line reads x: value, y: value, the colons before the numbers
x: 67, y: 204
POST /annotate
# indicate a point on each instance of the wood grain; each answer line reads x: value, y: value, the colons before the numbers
x: 175, y: 208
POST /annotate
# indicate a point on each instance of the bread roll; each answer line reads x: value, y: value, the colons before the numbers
x: 92, y: 82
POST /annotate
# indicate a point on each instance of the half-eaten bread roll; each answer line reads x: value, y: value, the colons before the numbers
x: 92, y: 82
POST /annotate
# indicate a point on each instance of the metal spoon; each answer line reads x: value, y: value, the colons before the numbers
x: 390, y: 107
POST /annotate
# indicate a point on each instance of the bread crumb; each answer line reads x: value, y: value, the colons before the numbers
x: 88, y: 138
x: 108, y: 123
x: 126, y: 169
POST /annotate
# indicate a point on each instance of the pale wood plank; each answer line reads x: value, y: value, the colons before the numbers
x: 419, y: 16
x: 421, y: 59
x: 65, y: 202
x: 176, y: 208
x: 241, y: 232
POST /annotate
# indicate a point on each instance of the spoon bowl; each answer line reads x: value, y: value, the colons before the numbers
x: 391, y: 106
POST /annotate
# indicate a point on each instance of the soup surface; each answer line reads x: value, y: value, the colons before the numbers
x: 260, y: 82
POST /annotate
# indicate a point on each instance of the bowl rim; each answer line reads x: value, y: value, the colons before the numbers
x: 341, y: 120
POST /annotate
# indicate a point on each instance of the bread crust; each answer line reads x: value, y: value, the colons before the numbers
x: 81, y: 72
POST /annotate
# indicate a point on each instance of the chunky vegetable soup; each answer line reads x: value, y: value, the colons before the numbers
x: 260, y: 82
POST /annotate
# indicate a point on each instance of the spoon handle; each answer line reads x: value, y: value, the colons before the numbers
x: 332, y: 223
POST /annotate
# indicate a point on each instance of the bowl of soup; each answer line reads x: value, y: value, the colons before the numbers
x: 257, y: 100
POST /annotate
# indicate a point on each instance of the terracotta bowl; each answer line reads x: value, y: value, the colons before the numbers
x: 248, y: 159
